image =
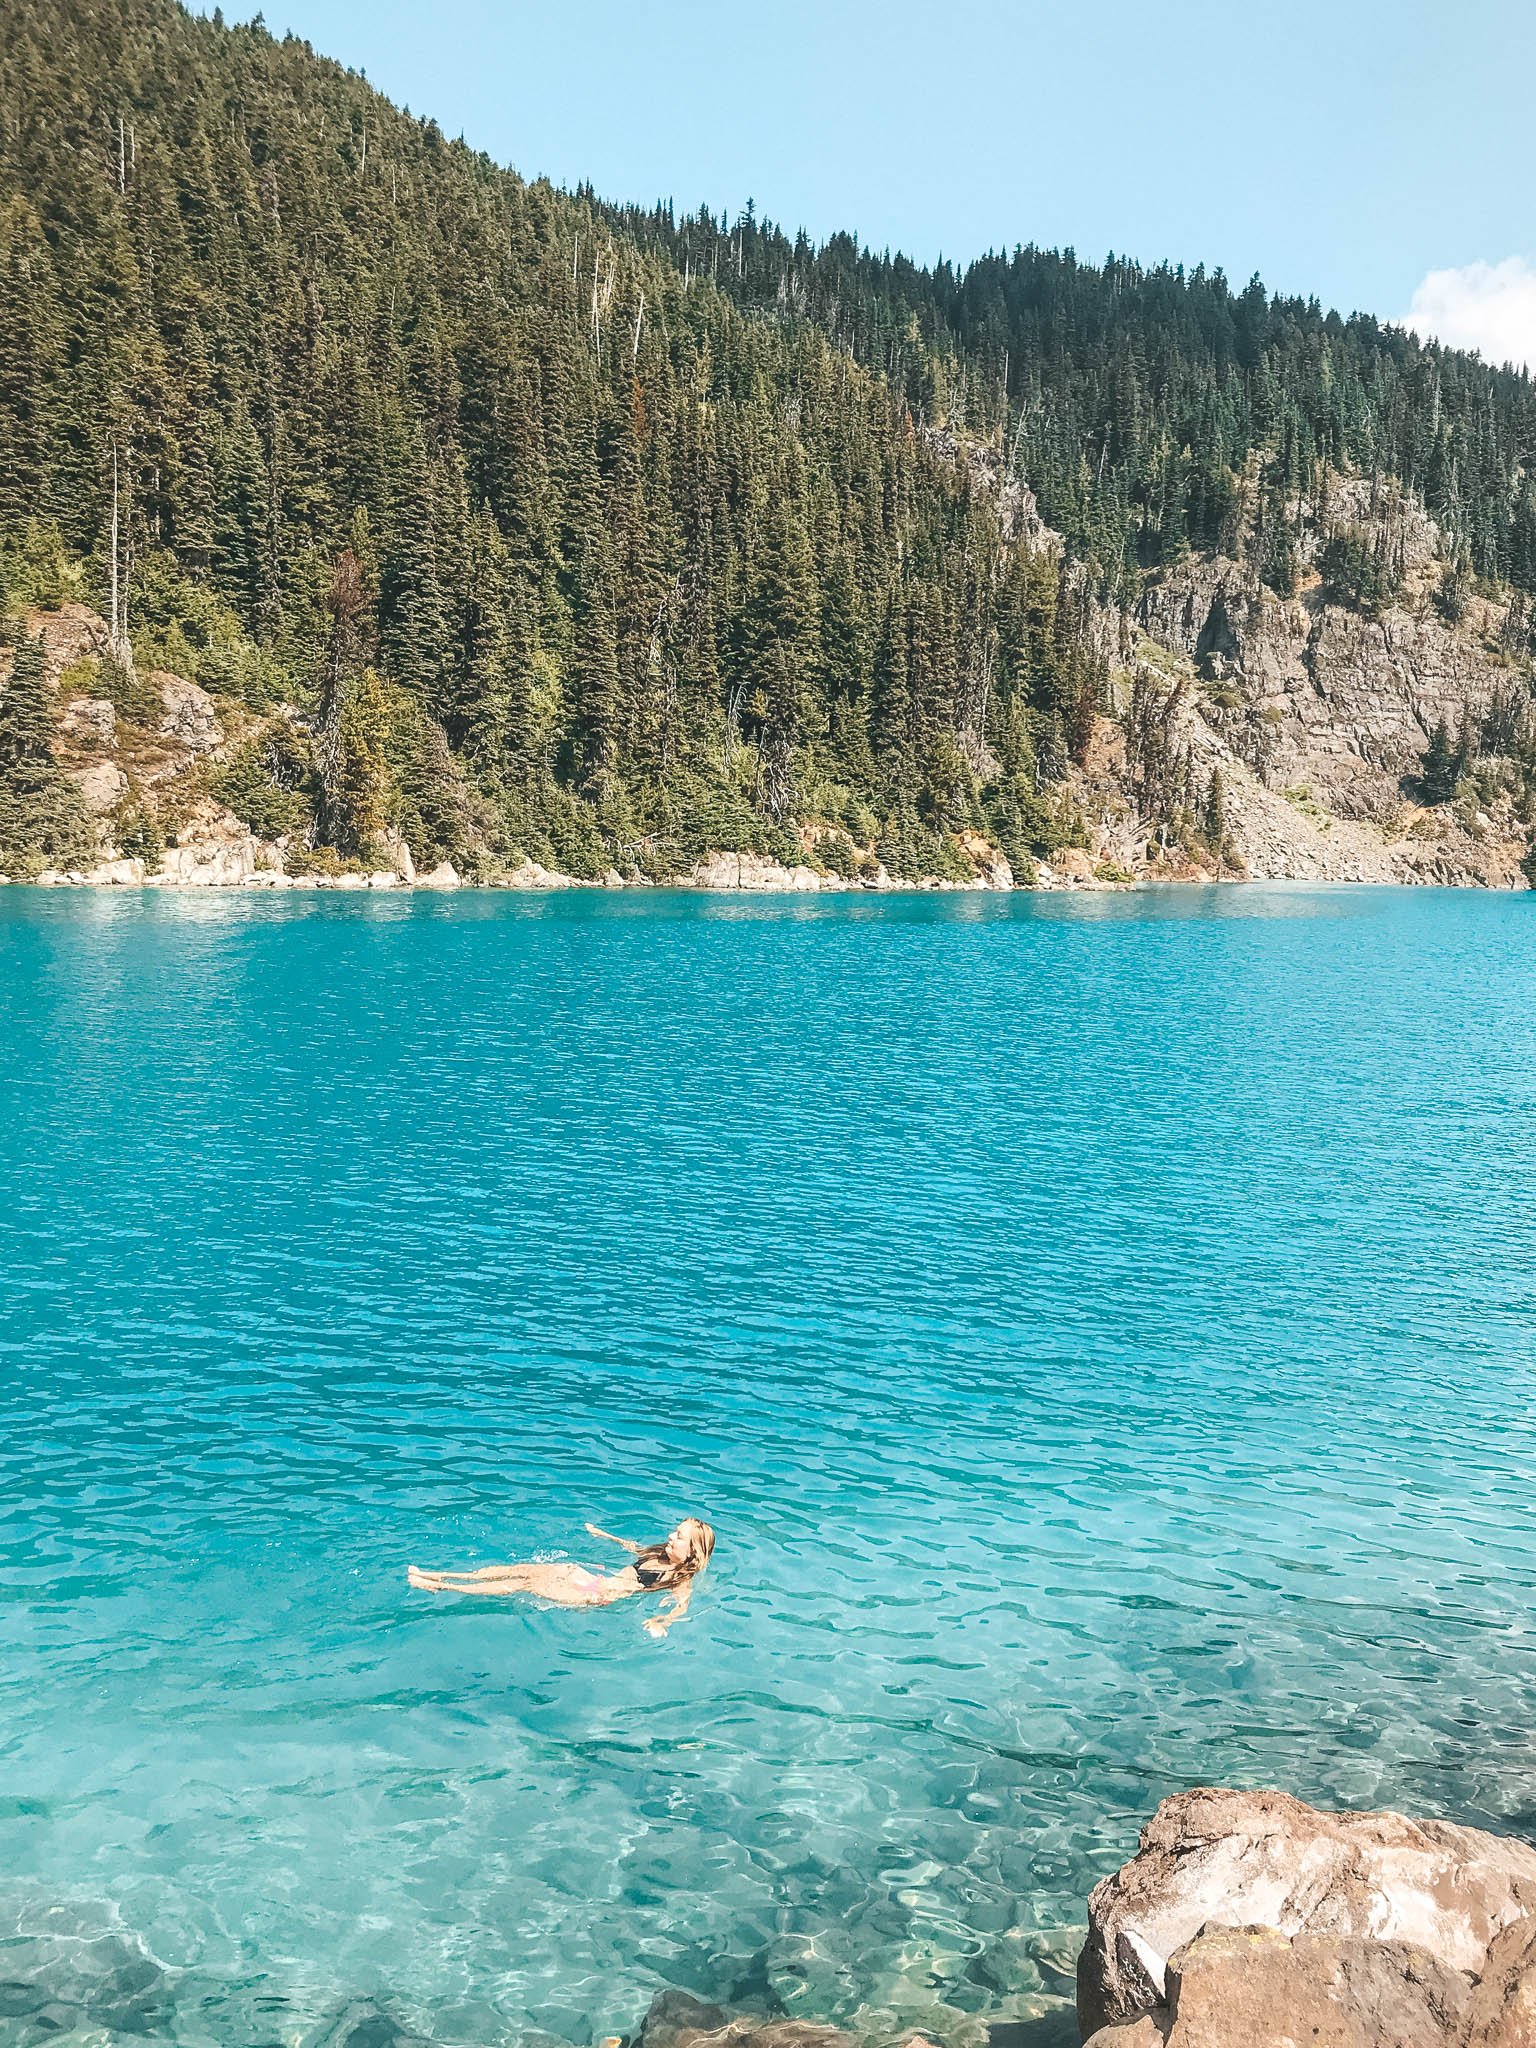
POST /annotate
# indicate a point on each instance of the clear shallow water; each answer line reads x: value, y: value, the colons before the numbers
x: 1101, y: 1330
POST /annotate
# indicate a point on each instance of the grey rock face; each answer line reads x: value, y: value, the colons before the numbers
x: 1318, y: 718
x: 188, y: 714
x: 1309, y: 692
x: 91, y: 719
x: 102, y: 786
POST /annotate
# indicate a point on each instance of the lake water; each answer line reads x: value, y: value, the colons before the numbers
x: 1101, y: 1329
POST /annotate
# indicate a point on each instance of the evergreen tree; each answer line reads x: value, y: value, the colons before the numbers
x: 346, y: 714
x: 42, y: 821
x: 356, y: 798
x: 1443, y: 764
x: 596, y: 664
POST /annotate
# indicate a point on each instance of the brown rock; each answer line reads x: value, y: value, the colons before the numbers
x: 1147, y: 2032
x: 1211, y: 1859
x: 1503, y: 2010
x: 72, y: 633
x: 1249, y: 1987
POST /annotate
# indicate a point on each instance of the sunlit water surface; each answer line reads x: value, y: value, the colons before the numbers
x: 1100, y: 1330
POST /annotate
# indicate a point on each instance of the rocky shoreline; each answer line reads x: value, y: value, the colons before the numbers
x: 248, y: 865
x: 1244, y: 1920
x: 1311, y: 724
x: 1251, y: 1920
x: 235, y: 867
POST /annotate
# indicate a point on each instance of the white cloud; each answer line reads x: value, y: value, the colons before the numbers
x: 1487, y: 306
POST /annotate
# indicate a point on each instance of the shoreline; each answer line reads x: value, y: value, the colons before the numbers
x: 248, y: 866
x: 551, y: 884
x: 719, y: 875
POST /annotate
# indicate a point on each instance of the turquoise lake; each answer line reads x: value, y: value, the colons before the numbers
x: 1102, y: 1330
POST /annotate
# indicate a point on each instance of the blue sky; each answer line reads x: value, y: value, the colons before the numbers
x: 1337, y: 147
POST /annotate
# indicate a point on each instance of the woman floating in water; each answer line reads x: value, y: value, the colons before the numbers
x: 668, y: 1567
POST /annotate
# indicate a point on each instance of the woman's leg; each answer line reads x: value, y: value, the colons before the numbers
x: 492, y: 1578
x: 569, y: 1585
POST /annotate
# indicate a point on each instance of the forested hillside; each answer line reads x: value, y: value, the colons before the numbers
x: 1154, y: 412
x: 518, y: 524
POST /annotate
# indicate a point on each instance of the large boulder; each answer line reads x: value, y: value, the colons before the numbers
x: 102, y: 786
x: 1216, y: 1859
x: 1249, y: 1987
x: 90, y: 720
x: 187, y: 713
x: 755, y: 871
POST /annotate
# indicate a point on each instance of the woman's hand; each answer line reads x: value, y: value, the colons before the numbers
x: 603, y: 1536
x: 659, y: 1623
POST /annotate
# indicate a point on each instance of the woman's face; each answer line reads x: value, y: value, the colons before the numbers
x: 686, y: 1544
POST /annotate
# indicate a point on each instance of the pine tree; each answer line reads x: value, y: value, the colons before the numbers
x: 345, y: 739
x: 1441, y: 765
x: 596, y: 664
x: 356, y: 799
x: 42, y: 821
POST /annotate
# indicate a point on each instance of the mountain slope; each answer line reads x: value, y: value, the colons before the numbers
x: 520, y: 527
x: 1155, y: 412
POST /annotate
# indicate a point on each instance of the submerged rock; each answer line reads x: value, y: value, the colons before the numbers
x: 1304, y: 1895
x: 679, y: 2020
x: 363, y: 2023
x: 55, y: 1984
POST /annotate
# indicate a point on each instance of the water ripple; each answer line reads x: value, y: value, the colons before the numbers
x: 1100, y: 1330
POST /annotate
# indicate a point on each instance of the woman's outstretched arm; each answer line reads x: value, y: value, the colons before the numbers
x: 660, y: 1623
x: 622, y: 1541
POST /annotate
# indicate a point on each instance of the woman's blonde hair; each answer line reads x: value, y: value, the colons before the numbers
x: 657, y: 1569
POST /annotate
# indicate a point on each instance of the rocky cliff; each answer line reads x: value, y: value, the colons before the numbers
x: 1317, y: 715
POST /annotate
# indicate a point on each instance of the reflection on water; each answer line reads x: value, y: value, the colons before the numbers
x: 1100, y: 1329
